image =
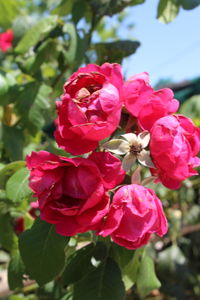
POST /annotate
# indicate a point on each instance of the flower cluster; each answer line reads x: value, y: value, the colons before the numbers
x: 88, y: 192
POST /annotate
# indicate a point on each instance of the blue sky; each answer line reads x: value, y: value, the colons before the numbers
x: 167, y: 50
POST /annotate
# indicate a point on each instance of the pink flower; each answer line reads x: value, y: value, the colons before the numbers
x: 174, y: 144
x: 72, y: 192
x: 90, y: 109
x: 135, y: 213
x: 6, y: 39
x: 146, y: 104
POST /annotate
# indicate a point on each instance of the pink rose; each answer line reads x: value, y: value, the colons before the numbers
x: 90, y: 109
x: 6, y: 39
x: 146, y: 104
x: 174, y: 144
x: 72, y: 192
x: 135, y: 213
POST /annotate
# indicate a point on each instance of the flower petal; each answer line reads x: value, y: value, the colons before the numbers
x: 130, y: 137
x: 117, y: 146
x: 144, y: 137
x: 145, y: 159
x: 128, y: 161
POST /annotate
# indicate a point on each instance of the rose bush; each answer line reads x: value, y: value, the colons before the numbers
x: 90, y: 109
x: 135, y: 213
x: 6, y: 39
x: 174, y: 145
x: 146, y: 104
x: 72, y: 192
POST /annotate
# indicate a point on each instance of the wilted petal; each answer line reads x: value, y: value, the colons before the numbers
x: 117, y: 146
x: 144, y: 137
x: 136, y: 176
x: 145, y: 159
x: 130, y: 137
x: 128, y: 161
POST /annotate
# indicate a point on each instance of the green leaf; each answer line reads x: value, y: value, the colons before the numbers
x: 9, y: 9
x: 102, y: 283
x: 17, y: 185
x: 64, y: 8
x: 191, y: 107
x: 42, y: 251
x: 111, y: 7
x: 146, y: 279
x: 16, y: 269
x: 78, y: 13
x: 40, y: 106
x: 32, y: 109
x: 8, y: 239
x: 70, y: 54
x: 189, y: 4
x: 79, y: 263
x: 3, y: 86
x: 8, y: 170
x: 115, y: 51
x: 13, y: 141
x: 131, y: 270
x: 167, y: 10
x: 36, y: 33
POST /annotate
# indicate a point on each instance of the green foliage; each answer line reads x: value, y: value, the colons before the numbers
x: 115, y: 51
x: 167, y: 10
x: 189, y: 4
x: 17, y: 185
x: 42, y: 251
x: 36, y: 33
x: 102, y: 283
x: 146, y: 279
x: 16, y: 270
x: 8, y: 239
x: 9, y: 9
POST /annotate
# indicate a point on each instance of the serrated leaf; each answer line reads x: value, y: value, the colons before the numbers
x: 167, y: 10
x: 17, y: 185
x: 36, y: 33
x: 16, y: 269
x: 42, y: 251
x: 102, y: 283
x: 147, y: 279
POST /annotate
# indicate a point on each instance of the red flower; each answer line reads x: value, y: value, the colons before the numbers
x: 90, y: 109
x: 6, y: 39
x: 146, y: 104
x: 174, y: 144
x: 135, y: 213
x: 72, y: 192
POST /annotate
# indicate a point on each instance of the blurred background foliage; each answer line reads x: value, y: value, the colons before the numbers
x: 52, y: 39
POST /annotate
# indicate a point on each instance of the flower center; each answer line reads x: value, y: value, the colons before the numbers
x: 136, y: 149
